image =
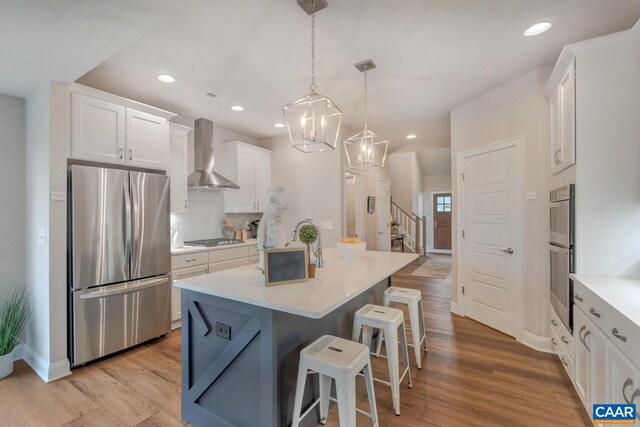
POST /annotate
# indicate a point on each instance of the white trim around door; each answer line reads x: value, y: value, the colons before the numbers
x: 517, y: 244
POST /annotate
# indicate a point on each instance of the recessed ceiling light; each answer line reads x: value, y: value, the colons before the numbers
x: 166, y: 78
x: 279, y: 125
x: 411, y: 136
x: 536, y: 29
x: 237, y: 108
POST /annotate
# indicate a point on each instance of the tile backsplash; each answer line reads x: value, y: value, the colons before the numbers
x: 204, y: 218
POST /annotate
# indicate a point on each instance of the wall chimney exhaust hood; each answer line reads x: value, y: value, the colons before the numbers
x: 204, y: 178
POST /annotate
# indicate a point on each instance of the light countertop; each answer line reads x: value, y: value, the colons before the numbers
x: 621, y: 294
x: 336, y: 283
x: 194, y: 249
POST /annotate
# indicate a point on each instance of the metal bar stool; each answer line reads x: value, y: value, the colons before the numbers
x: 339, y: 360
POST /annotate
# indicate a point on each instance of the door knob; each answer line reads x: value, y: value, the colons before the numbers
x: 506, y: 251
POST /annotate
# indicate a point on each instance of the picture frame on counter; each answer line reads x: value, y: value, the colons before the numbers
x: 285, y: 265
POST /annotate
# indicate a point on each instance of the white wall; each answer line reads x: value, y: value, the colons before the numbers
x: 430, y: 184
x: 405, y: 177
x: 312, y: 184
x: 12, y: 141
x: 517, y: 108
x: 371, y: 219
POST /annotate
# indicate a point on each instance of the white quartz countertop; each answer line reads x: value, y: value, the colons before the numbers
x: 335, y: 284
x: 621, y: 294
x: 194, y: 249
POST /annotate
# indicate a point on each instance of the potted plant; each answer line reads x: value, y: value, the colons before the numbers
x: 14, y: 313
x: 308, y: 234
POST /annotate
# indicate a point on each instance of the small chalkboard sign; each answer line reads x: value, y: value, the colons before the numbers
x: 286, y: 265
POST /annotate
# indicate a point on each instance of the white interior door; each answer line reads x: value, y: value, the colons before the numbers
x: 383, y: 206
x: 489, y: 255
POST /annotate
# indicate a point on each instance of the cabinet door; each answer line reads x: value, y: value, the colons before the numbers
x: 147, y: 140
x: 624, y: 379
x: 246, y: 179
x: 597, y: 343
x: 178, y: 169
x: 567, y: 94
x: 263, y: 178
x: 582, y: 361
x: 97, y: 130
x: 182, y: 274
x: 555, y: 132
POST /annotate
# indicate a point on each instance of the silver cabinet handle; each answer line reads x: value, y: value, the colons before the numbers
x: 580, y: 333
x: 553, y: 341
x: 627, y: 383
x: 190, y: 260
x: 185, y: 203
x: 121, y: 149
x: 578, y: 297
x: 130, y: 153
x: 584, y: 340
x: 616, y: 334
x: 594, y: 312
x: 564, y: 362
x: 564, y: 340
x: 506, y: 251
x: 555, y: 156
x: 553, y: 322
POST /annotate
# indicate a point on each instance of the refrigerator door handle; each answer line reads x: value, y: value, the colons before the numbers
x: 126, y: 223
x: 123, y: 289
x: 135, y: 227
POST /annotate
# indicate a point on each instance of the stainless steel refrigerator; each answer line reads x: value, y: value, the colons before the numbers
x: 119, y: 260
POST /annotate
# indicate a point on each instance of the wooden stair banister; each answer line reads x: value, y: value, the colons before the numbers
x: 413, y: 225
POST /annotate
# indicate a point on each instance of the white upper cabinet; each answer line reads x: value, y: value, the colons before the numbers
x: 249, y: 167
x: 97, y: 131
x: 178, y: 167
x: 563, y: 122
x: 147, y: 139
x: 109, y: 129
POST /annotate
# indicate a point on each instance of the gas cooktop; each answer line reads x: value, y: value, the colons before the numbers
x: 208, y: 243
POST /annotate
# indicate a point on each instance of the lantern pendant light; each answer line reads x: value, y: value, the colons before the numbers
x: 313, y: 121
x: 366, y: 150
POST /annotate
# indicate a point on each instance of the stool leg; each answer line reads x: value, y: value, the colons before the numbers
x: 379, y: 343
x: 297, y: 405
x: 405, y: 352
x: 371, y: 394
x: 355, y: 335
x: 346, y: 391
x: 391, y: 344
x: 424, y: 328
x: 367, y: 332
x: 416, y: 326
x: 325, y: 391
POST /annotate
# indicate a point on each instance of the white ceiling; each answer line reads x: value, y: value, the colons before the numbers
x: 435, y: 161
x: 44, y: 40
x: 432, y: 56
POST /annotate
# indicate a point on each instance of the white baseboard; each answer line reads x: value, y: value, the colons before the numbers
x: 47, y: 371
x: 536, y: 342
x: 439, y: 251
x: 455, y: 309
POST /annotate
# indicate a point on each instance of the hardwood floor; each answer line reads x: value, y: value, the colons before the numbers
x: 471, y: 376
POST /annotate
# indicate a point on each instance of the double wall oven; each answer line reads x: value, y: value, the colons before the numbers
x: 561, y: 251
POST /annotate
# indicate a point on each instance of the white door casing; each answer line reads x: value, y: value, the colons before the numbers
x: 490, y: 229
x: 383, y: 207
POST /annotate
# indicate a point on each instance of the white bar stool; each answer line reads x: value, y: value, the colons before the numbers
x: 340, y: 360
x: 412, y: 298
x: 388, y: 320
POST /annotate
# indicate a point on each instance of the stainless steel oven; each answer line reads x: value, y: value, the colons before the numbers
x: 561, y: 251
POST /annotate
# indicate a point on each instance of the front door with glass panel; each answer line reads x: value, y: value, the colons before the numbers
x: 442, y: 221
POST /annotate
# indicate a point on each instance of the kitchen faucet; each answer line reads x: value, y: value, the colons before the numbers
x: 318, y: 251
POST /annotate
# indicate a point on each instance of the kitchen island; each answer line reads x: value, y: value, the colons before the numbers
x: 241, y: 340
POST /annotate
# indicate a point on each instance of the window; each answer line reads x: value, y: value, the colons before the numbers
x: 443, y: 204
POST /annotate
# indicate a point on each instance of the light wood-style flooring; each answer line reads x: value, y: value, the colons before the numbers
x: 472, y: 376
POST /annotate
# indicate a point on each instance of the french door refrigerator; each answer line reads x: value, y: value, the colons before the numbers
x: 119, y: 260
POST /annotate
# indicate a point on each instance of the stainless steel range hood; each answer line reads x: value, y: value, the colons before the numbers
x: 204, y: 178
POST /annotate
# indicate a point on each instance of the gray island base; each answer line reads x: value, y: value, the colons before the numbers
x: 249, y: 379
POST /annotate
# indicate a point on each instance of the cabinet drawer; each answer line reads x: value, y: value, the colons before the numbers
x: 253, y: 250
x: 591, y: 305
x: 565, y: 353
x: 624, y: 334
x: 254, y: 259
x: 228, y: 254
x: 562, y: 333
x: 226, y: 265
x: 189, y: 260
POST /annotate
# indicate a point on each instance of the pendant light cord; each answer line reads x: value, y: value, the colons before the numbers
x: 313, y: 86
x: 366, y: 118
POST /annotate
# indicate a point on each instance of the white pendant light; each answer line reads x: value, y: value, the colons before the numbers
x: 313, y: 121
x: 366, y: 150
